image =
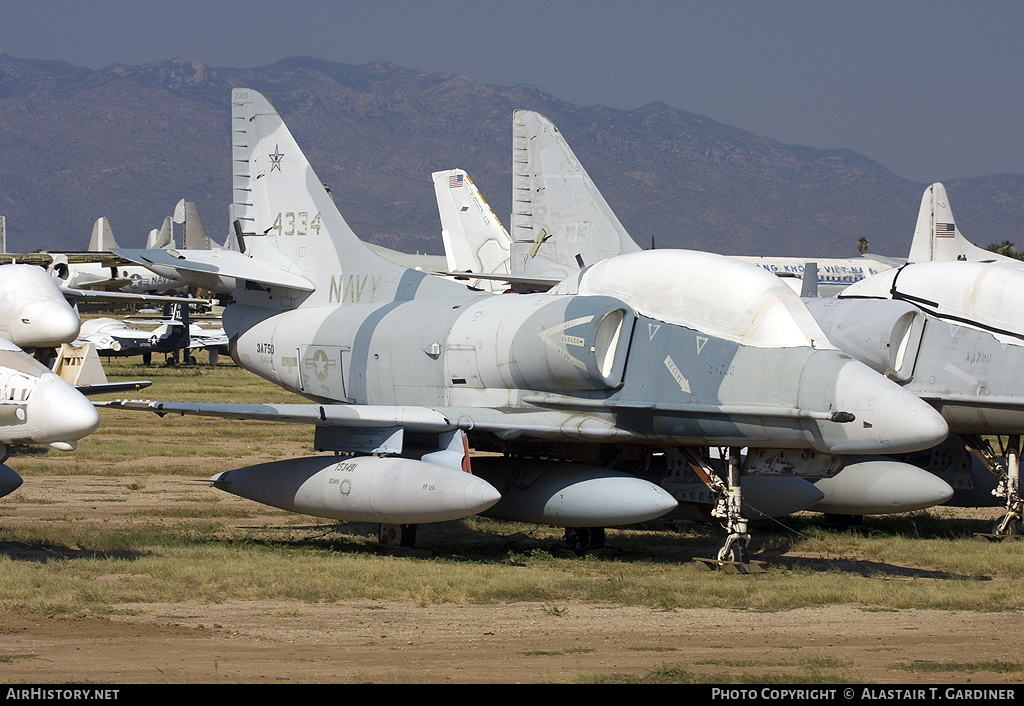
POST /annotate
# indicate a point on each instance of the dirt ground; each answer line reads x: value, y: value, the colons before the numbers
x: 385, y: 642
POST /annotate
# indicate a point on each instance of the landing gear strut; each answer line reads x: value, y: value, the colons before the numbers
x: 729, y: 508
x: 580, y: 539
x: 1010, y: 525
x: 734, y: 552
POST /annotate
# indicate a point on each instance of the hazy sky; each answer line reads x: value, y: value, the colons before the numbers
x: 931, y: 89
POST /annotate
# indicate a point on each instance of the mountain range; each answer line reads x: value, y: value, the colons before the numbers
x: 127, y: 142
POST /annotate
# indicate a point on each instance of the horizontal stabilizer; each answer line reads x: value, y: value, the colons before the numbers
x: 538, y: 284
x: 202, y: 266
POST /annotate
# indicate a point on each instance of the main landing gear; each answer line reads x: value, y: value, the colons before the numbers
x: 581, y: 539
x: 1011, y: 525
x: 397, y: 536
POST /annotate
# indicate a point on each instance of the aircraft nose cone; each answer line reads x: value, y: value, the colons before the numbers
x: 9, y: 481
x: 47, y: 325
x: 480, y: 495
x: 907, y: 423
x: 887, y: 418
x: 58, y: 412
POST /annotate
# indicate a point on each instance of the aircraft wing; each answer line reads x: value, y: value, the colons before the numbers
x: 103, y: 388
x: 97, y: 295
x: 383, y: 420
x: 417, y: 418
x: 983, y: 402
x: 202, y: 266
x: 550, y: 420
x: 44, y: 259
x: 208, y: 341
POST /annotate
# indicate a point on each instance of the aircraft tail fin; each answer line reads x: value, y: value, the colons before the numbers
x: 162, y: 238
x: 936, y: 236
x: 809, y: 282
x: 287, y: 218
x: 559, y: 217
x: 102, y: 239
x: 80, y: 365
x: 474, y: 239
x: 195, y: 237
x: 179, y: 323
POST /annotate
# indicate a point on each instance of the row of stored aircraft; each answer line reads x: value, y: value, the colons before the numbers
x: 38, y: 317
x: 602, y: 392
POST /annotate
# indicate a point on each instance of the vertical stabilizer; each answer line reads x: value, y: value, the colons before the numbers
x: 288, y: 219
x: 179, y: 212
x: 474, y: 239
x: 102, y: 239
x: 809, y: 282
x: 161, y: 239
x: 559, y: 217
x: 80, y: 365
x: 195, y: 237
x: 936, y: 236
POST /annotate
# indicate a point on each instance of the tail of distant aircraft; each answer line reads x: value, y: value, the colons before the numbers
x: 936, y: 236
x: 474, y: 239
x: 102, y: 237
x: 162, y: 238
x: 558, y: 215
x: 194, y: 237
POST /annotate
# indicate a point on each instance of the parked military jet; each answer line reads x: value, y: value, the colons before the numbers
x: 37, y: 407
x: 115, y: 338
x: 556, y: 199
x: 33, y: 310
x: 950, y: 332
x: 666, y: 350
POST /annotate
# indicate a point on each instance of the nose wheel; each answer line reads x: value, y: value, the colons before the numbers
x: 734, y: 550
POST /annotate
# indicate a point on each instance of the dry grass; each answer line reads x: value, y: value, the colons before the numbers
x: 126, y: 541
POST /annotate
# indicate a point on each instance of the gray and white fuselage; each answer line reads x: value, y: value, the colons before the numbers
x: 602, y: 358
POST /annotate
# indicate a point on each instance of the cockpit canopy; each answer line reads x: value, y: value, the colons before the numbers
x: 705, y: 292
x: 986, y: 296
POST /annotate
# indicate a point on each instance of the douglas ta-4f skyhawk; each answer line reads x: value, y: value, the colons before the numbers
x: 647, y: 352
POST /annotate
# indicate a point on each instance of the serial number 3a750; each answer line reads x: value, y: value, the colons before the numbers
x: 295, y: 223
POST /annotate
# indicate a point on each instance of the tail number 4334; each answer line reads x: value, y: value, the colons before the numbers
x: 295, y: 223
